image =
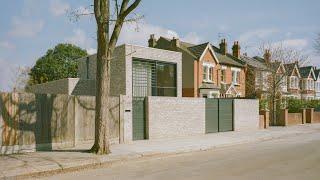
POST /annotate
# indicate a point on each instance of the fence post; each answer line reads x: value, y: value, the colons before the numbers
x: 283, y: 121
x: 266, y: 118
x: 304, y: 115
x: 309, y: 115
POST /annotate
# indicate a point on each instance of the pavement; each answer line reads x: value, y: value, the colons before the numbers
x: 44, y: 163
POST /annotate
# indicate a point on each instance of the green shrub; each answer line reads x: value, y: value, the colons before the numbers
x: 263, y: 104
x: 295, y: 105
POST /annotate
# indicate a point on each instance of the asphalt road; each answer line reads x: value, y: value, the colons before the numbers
x: 295, y: 157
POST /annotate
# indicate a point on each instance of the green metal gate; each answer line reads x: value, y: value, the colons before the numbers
x: 225, y: 115
x: 219, y: 115
x: 212, y: 117
x: 138, y: 118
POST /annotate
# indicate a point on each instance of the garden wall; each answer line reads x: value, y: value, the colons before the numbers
x: 30, y: 122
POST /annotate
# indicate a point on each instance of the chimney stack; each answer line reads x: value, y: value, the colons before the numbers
x: 175, y: 43
x: 236, y: 49
x: 267, y: 56
x: 152, y: 41
x: 223, y: 47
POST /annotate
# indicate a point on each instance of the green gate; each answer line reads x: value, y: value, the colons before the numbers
x: 212, y: 117
x: 138, y: 118
x: 225, y: 115
x: 219, y: 115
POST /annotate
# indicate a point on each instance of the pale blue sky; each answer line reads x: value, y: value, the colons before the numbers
x: 29, y: 27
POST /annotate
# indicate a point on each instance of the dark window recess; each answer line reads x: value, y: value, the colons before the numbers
x: 154, y: 78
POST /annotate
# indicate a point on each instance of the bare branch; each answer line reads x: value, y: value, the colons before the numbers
x: 317, y: 44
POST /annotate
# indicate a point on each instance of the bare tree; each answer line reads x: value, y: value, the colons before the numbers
x: 275, y: 82
x: 20, y: 79
x: 109, y: 24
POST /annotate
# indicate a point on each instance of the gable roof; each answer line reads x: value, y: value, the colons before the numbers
x: 317, y: 72
x: 291, y: 67
x: 254, y: 63
x: 305, y: 71
x: 197, y: 50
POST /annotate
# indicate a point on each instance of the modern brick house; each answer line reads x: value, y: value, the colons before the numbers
x: 207, y: 71
x: 293, y: 80
x: 308, y: 79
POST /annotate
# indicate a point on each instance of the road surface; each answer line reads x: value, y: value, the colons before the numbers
x: 295, y: 157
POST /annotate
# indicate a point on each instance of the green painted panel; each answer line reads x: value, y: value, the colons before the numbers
x: 212, y: 123
x: 138, y: 118
x: 225, y: 115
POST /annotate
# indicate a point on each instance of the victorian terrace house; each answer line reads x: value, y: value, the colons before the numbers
x: 293, y: 80
x: 308, y: 78
x: 207, y: 71
x: 317, y: 83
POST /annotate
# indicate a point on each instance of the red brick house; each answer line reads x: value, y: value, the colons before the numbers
x: 207, y: 71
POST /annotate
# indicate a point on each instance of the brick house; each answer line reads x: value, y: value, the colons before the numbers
x: 307, y: 82
x: 207, y: 71
x: 293, y: 79
x: 256, y: 75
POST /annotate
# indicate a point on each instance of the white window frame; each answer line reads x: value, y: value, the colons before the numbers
x: 209, y: 77
x: 235, y: 79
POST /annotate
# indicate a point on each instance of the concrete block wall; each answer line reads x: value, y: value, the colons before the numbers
x: 172, y: 117
x: 246, y: 114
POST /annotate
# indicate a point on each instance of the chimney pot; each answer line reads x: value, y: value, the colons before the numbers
x: 152, y: 41
x: 223, y: 47
x: 236, y: 49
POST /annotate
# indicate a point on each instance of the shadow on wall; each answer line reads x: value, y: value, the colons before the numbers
x: 45, y: 122
x: 33, y: 120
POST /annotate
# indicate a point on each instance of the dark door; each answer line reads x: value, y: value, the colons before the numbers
x: 212, y: 117
x: 138, y: 118
x: 225, y: 115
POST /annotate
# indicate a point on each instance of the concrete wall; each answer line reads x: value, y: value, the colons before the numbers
x: 30, y: 122
x: 246, y: 114
x: 172, y: 117
x: 69, y: 86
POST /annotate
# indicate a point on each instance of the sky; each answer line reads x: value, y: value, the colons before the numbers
x: 28, y: 28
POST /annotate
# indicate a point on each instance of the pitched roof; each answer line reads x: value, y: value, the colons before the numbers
x: 254, y: 62
x: 305, y: 71
x: 317, y: 72
x: 197, y: 50
x: 227, y: 59
x: 290, y: 67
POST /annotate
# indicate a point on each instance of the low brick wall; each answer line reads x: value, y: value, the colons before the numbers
x: 172, y: 117
x: 316, y: 117
x: 294, y: 118
x: 264, y: 116
x: 289, y: 119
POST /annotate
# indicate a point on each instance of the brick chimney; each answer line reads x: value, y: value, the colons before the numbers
x: 223, y: 47
x: 236, y: 49
x: 267, y: 56
x: 175, y: 43
x: 152, y: 41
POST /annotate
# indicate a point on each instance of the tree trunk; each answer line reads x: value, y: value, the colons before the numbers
x: 102, y: 121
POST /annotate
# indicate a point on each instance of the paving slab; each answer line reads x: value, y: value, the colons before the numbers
x: 21, y: 165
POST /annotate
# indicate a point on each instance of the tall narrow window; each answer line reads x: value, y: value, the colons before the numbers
x: 210, y: 73
x: 205, y: 73
x: 223, y: 75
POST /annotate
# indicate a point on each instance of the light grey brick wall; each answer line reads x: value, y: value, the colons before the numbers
x: 246, y: 114
x: 172, y: 117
